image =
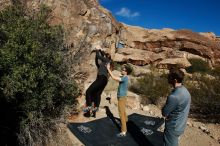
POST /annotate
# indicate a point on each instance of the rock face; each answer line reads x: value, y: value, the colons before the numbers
x: 85, y: 22
x: 162, y: 47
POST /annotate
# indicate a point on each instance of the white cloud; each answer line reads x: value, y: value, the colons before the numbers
x: 125, y: 12
x: 135, y: 14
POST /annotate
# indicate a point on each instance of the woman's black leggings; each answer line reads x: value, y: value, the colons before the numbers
x: 93, y: 93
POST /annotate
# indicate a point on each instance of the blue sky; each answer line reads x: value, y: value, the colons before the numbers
x: 197, y: 15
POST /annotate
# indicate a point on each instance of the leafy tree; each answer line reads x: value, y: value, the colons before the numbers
x: 34, y: 85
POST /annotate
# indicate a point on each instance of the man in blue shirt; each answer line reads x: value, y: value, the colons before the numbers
x: 121, y: 95
x: 176, y: 109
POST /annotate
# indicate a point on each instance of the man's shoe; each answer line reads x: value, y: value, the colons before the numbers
x: 122, y: 134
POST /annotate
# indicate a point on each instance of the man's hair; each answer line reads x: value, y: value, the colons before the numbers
x: 128, y: 69
x: 176, y: 74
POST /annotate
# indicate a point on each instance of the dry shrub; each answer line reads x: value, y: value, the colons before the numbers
x: 205, y: 94
x: 152, y: 87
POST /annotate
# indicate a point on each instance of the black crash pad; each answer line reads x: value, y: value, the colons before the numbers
x: 142, y: 130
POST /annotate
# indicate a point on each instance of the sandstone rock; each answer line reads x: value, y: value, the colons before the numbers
x: 133, y: 100
x: 136, y: 56
x: 151, y: 113
x: 181, y: 62
x: 189, y: 124
x: 180, y: 43
x: 81, y: 101
x: 92, y: 30
x: 204, y: 129
x: 141, y: 106
x: 140, y: 70
x: 197, y: 49
x: 209, y: 35
x: 146, y: 108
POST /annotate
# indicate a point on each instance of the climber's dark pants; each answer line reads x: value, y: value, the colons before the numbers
x: 93, y: 93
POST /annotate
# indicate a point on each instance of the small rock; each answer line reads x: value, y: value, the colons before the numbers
x: 204, y: 129
x: 189, y: 124
x: 195, y: 125
x: 93, y: 30
x: 215, y: 138
x: 146, y: 108
x: 212, y: 136
x: 102, y: 110
x: 142, y: 106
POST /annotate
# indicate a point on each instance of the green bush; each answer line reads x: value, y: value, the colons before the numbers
x: 117, y: 66
x: 215, y: 72
x: 205, y: 94
x: 153, y: 87
x: 34, y: 84
x: 204, y: 88
x: 198, y: 65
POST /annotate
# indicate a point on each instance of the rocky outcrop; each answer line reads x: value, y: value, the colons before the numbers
x: 137, y: 56
x: 85, y: 22
x: 169, y: 45
x: 170, y: 62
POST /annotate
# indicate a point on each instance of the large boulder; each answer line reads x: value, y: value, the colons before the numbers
x: 85, y: 23
x: 168, y: 44
x: 133, y: 101
x: 170, y: 62
x: 137, y: 56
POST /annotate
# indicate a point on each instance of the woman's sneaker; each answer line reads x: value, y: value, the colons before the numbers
x: 87, y: 114
x: 94, y: 110
x: 87, y: 111
x: 88, y: 108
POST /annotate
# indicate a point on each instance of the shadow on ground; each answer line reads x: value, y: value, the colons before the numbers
x: 142, y: 130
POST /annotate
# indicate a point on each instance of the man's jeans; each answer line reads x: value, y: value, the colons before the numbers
x: 170, y: 138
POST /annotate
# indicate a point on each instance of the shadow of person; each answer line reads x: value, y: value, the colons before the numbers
x: 112, y: 118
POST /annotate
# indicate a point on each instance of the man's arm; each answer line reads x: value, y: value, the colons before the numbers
x: 170, y: 105
x: 118, y: 79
